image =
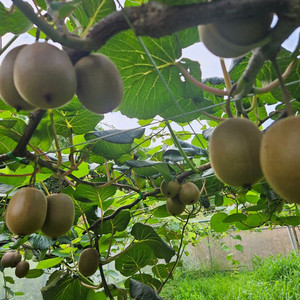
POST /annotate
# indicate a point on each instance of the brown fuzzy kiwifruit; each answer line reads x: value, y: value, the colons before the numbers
x: 88, y: 262
x: 234, y: 38
x: 280, y: 158
x: 44, y: 76
x: 234, y: 152
x: 8, y: 91
x: 99, y: 84
x: 189, y: 193
x: 22, y: 269
x: 10, y: 259
x: 170, y: 189
x: 26, y: 211
x: 174, y: 206
x: 60, y: 215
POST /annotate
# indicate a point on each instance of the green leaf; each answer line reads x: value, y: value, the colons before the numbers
x: 150, y: 168
x: 235, y: 217
x: 91, y: 11
x: 162, y: 270
x: 49, y: 263
x: 96, y: 195
x: 161, y: 212
x: 40, y: 242
x: 13, y: 21
x: 145, y: 95
x: 113, y: 143
x: 118, y: 223
x: 147, y: 235
x: 130, y: 262
x: 64, y: 287
x: 239, y: 247
x: 34, y: 273
x: 218, y: 199
x: 92, y: 295
x: 80, y: 120
x: 217, y: 224
x: 291, y: 220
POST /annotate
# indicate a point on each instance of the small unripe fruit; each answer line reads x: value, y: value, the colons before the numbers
x: 8, y: 91
x: 88, y: 262
x: 234, y: 152
x: 26, y: 211
x: 170, y: 189
x: 174, y: 206
x: 22, y: 269
x: 280, y: 158
x: 189, y: 193
x: 44, y: 76
x: 99, y: 84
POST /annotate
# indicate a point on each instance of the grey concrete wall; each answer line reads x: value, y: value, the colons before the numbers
x: 256, y: 243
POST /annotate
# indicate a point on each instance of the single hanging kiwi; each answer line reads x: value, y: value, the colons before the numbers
x: 22, y: 269
x: 280, y: 158
x: 170, y: 189
x: 10, y: 259
x: 234, y: 38
x: 60, y: 215
x: 26, y: 211
x: 174, y: 206
x: 189, y: 193
x: 44, y: 76
x: 8, y: 91
x: 88, y: 262
x: 99, y: 84
x: 234, y: 152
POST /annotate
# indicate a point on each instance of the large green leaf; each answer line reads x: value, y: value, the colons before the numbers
x: 130, y: 262
x: 147, y: 235
x: 145, y: 93
x: 114, y: 143
x: 90, y: 12
x: 96, y: 195
x: 13, y: 21
x: 217, y: 222
x: 61, y: 286
x: 79, y: 119
x: 118, y: 223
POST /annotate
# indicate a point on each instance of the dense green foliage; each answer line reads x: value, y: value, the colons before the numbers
x: 113, y: 175
x: 272, y: 278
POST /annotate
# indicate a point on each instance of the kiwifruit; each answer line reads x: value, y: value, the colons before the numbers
x: 170, y: 189
x: 234, y: 152
x: 10, y: 259
x: 8, y: 91
x: 99, y: 83
x: 88, y: 262
x: 26, y: 211
x: 189, y: 193
x: 234, y: 38
x: 174, y: 206
x: 44, y: 76
x: 18, y: 258
x: 280, y: 158
x: 60, y: 215
x: 22, y: 269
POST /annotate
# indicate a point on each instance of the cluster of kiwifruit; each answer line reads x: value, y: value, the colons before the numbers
x: 234, y: 38
x: 42, y: 76
x: 29, y: 210
x: 241, y: 155
x: 179, y: 195
x: 12, y: 259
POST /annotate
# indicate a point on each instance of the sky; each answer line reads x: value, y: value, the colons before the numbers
x: 210, y: 67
